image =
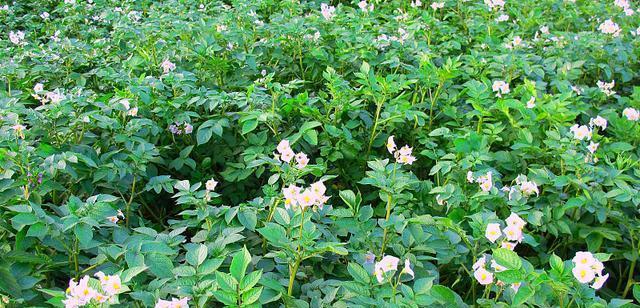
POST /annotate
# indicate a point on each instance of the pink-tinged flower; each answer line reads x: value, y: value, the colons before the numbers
x: 327, y: 11
x: 500, y: 87
x: 404, y: 156
x: 416, y: 3
x: 119, y: 213
x: 19, y: 130
x: 318, y: 188
x: 302, y: 160
x: 544, y: 30
x: 631, y: 114
x: 624, y: 4
x: 291, y: 196
x: 497, y: 267
x: 599, y: 282
x: 584, y: 258
x: 483, y: 276
x: 492, y: 233
x: 283, y: 146
x: 513, y: 233
x: 167, y: 66
x: 101, y: 298
x: 174, y: 303
x: 470, y: 178
x: 16, y: 37
x: 528, y: 188
x: 211, y: 184
x: 592, y: 147
x: 480, y: 263
x: 407, y: 269
x: 437, y: 5
x: 516, y: 286
x: 584, y: 274
x: 581, y: 132
x: 133, y: 111
x: 388, y: 263
x: 391, y: 145
x: 531, y: 103
x: 485, y: 181
x: 515, y: 220
x: 188, y: 128
x: 365, y: 7
x: 508, y: 245
x: 606, y: 87
x: 126, y: 104
x: 598, y: 122
x: 38, y: 88
x: 494, y: 4
x: 287, y: 156
x: 113, y: 219
x: 306, y: 199
x: 610, y: 27
x: 83, y: 292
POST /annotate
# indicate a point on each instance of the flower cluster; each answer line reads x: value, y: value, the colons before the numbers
x: 295, y: 196
x: 494, y: 4
x: 286, y: 154
x: 512, y: 232
x: 610, y: 27
x: 116, y: 218
x: 167, y: 66
x: 81, y: 293
x: 607, y: 87
x: 624, y: 4
x: 581, y: 132
x: 598, y: 122
x: 403, y: 155
x: 631, y: 114
x: 365, y: 7
x: 19, y: 130
x: 437, y: 5
x: 390, y: 264
x: 46, y: 96
x: 523, y: 186
x: 16, y: 37
x: 500, y: 87
x: 173, y: 303
x: 127, y: 106
x: 181, y: 128
x: 587, y: 268
x: 327, y: 11
x: 485, y: 181
x: 485, y: 277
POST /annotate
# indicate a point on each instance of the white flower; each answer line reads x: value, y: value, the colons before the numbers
x: 531, y: 103
x: 492, y: 233
x: 631, y: 114
x: 327, y: 11
x: 391, y: 145
x: 470, y: 176
x: 592, y: 147
x: 480, y: 263
x: 610, y: 27
x: 508, y: 245
x: 483, y: 276
x: 404, y: 156
x: 133, y: 111
x: 437, y: 5
x: 606, y: 87
x: 497, y: 267
x: 513, y: 233
x: 365, y: 7
x: 113, y: 219
x: 584, y: 274
x: 599, y: 282
x: 211, y: 185
x: 544, y: 30
x: 387, y: 264
x: 515, y: 220
x: 416, y: 3
x: 302, y: 160
x: 306, y: 199
x: 485, y: 181
x: 407, y: 269
x: 528, y: 188
x: 44, y: 15
x: 584, y: 258
x: 581, y: 132
x: 16, y: 37
x: 500, y: 87
x: 599, y: 122
x: 502, y: 17
x: 494, y: 4
x: 167, y: 66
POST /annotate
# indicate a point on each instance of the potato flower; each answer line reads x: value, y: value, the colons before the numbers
x: 492, y: 233
x: 631, y: 114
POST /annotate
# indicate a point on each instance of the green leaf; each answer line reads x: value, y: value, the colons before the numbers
x: 239, y: 263
x: 8, y: 283
x: 510, y: 276
x: 196, y: 256
x: 249, y: 125
x: 358, y: 273
x: 556, y: 263
x: 311, y: 136
x: 248, y: 219
x: 226, y: 297
x: 160, y: 265
x: 636, y: 292
x: 250, y: 280
x: 524, y: 293
x: 507, y: 258
x: 443, y: 294
x: 129, y: 273
x: 251, y: 296
x: 83, y: 233
x: 275, y: 234
x: 226, y: 281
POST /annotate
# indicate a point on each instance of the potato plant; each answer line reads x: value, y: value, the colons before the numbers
x: 286, y: 153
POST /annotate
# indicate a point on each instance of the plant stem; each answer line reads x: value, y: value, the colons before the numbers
x: 375, y: 125
x: 293, y: 271
x: 128, y: 209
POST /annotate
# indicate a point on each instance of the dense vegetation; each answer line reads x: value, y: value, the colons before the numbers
x: 306, y: 153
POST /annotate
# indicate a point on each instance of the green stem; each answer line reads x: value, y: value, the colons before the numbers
x: 375, y: 126
x: 293, y: 271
